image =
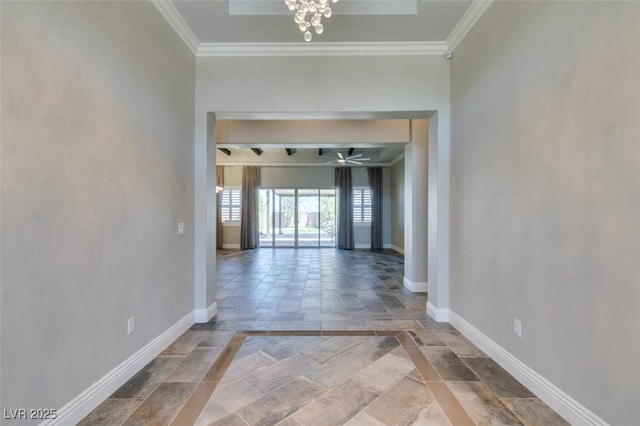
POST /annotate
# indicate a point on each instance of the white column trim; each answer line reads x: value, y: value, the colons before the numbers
x: 205, y: 315
x: 415, y: 286
x: 438, y: 314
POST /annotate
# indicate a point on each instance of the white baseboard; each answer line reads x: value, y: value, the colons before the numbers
x: 415, y: 286
x: 396, y: 248
x: 230, y: 246
x: 205, y: 315
x: 438, y: 314
x: 572, y: 411
x: 78, y: 408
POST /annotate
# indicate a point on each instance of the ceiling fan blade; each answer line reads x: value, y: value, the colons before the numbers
x: 351, y: 157
x: 353, y: 162
x: 340, y: 156
x: 331, y: 162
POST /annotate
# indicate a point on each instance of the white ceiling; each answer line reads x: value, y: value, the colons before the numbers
x: 353, y: 21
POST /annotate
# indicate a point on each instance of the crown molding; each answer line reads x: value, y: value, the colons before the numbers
x: 468, y: 20
x: 322, y: 49
x: 177, y: 22
x: 168, y: 10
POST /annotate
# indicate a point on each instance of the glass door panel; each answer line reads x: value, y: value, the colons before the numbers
x: 265, y: 217
x: 284, y: 217
x: 308, y: 218
x: 327, y: 217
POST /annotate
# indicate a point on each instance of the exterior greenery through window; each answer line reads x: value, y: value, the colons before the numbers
x: 230, y: 206
x: 361, y: 205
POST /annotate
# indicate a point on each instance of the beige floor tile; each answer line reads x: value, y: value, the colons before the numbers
x: 112, y: 412
x: 336, y: 406
x: 376, y: 347
x: 331, y: 347
x: 501, y: 382
x: 240, y: 368
x: 447, y: 363
x: 363, y: 419
x: 148, y: 379
x: 432, y: 416
x: 270, y: 377
x: 230, y: 420
x: 459, y: 344
x: 191, y: 410
x: 534, y: 412
x: 288, y: 422
x: 185, y: 343
x: 195, y: 365
x: 162, y: 405
x: 281, y: 403
x: 426, y: 338
x: 402, y: 404
x: 226, y: 399
x: 289, y: 346
x: 217, y: 338
x: 384, y: 373
x: 338, y: 370
x: 482, y: 404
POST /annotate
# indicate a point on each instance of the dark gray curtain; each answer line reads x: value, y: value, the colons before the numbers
x: 220, y: 183
x: 344, y: 188
x: 249, y: 236
x: 375, y: 183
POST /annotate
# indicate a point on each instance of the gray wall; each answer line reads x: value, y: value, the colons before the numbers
x: 97, y: 168
x: 312, y: 177
x: 545, y: 193
x: 397, y: 204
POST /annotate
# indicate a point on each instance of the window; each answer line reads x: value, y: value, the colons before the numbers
x: 230, y: 205
x: 361, y: 205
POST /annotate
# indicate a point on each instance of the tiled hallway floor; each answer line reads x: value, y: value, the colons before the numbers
x: 320, y: 337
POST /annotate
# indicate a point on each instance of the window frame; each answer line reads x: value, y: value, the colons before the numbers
x: 230, y: 206
x: 363, y: 206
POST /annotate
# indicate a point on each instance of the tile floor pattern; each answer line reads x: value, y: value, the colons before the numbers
x: 324, y: 337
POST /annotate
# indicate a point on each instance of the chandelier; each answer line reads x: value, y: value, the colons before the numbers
x: 308, y: 14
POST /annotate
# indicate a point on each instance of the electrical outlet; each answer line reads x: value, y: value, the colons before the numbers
x: 131, y: 325
x: 517, y: 327
x: 181, y: 228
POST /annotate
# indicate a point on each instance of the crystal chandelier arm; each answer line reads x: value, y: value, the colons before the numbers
x: 309, y: 13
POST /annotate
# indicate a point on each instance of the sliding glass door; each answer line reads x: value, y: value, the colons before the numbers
x: 327, y: 218
x: 308, y: 212
x: 297, y: 217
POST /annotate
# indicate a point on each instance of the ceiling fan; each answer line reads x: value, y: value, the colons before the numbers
x: 351, y: 159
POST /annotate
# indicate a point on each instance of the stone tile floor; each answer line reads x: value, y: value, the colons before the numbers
x: 320, y: 337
